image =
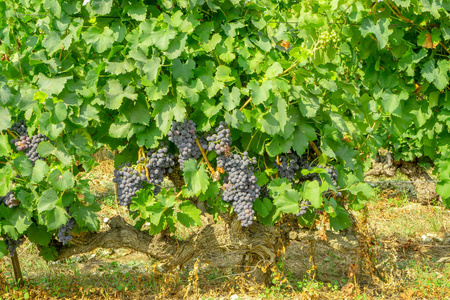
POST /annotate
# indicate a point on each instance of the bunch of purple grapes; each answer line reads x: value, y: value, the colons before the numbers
x: 23, y: 142
x: 10, y: 200
x: 183, y: 135
x: 288, y: 165
x: 240, y: 185
x: 221, y: 140
x: 129, y: 181
x: 64, y: 235
x: 20, y: 127
x: 304, y: 206
x: 12, y: 245
x: 159, y: 163
x: 31, y: 151
x: 334, y: 178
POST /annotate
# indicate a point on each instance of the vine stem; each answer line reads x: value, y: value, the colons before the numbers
x: 246, y: 103
x: 17, y: 270
x: 141, y: 153
x: 12, y: 134
x: 211, y: 169
x: 288, y: 69
x: 311, y: 143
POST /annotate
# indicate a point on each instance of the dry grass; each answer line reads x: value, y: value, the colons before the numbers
x: 394, y: 261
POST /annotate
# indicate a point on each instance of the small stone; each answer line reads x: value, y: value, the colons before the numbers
x: 426, y: 239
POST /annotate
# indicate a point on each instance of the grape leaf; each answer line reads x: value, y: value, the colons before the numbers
x: 196, y: 179
x: 380, y: 29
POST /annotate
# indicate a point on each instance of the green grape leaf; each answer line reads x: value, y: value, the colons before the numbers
x: 52, y: 86
x: 302, y: 135
x: 115, y: 93
x: 40, y: 170
x: 3, y: 249
x: 263, y: 207
x: 101, y: 7
x: 287, y: 202
x: 100, y: 40
x: 86, y: 216
x: 183, y: 71
x: 274, y: 70
x: 20, y: 219
x: 189, y: 215
x: 196, y: 179
x: 341, y: 220
x: 230, y: 99
x: 56, y: 217
x: 23, y: 165
x: 380, y: 30
x: 47, y: 200
x: 312, y: 192
x: 137, y: 11
x: 5, y: 147
x: 151, y: 68
x: 438, y: 76
x: 38, y: 234
x: 61, y: 181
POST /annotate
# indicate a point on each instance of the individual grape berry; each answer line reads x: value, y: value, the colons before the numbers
x: 10, y: 200
x: 159, y: 163
x: 221, y: 140
x: 183, y: 135
x: 64, y: 235
x: 12, y: 245
x: 240, y: 185
x: 129, y: 181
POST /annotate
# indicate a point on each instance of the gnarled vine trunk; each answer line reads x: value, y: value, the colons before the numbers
x: 425, y: 186
x: 261, y: 245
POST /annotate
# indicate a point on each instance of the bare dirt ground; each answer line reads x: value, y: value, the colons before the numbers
x: 404, y: 253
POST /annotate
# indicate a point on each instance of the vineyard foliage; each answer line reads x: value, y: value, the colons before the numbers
x: 349, y: 77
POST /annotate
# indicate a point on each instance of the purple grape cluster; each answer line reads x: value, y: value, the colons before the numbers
x: 159, y: 163
x: 10, y: 200
x: 289, y: 165
x: 64, y: 235
x: 22, y: 143
x: 31, y: 151
x: 20, y: 127
x: 304, y: 205
x: 221, y: 140
x: 240, y: 185
x: 129, y: 181
x: 12, y: 245
x: 183, y: 135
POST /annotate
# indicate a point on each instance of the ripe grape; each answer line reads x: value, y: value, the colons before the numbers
x: 22, y: 143
x: 159, y: 163
x: 20, y: 127
x: 221, y: 140
x: 12, y: 245
x: 183, y: 135
x: 64, y: 235
x: 31, y: 151
x: 129, y: 181
x: 240, y: 185
x: 289, y: 165
x: 10, y: 200
x: 304, y: 205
